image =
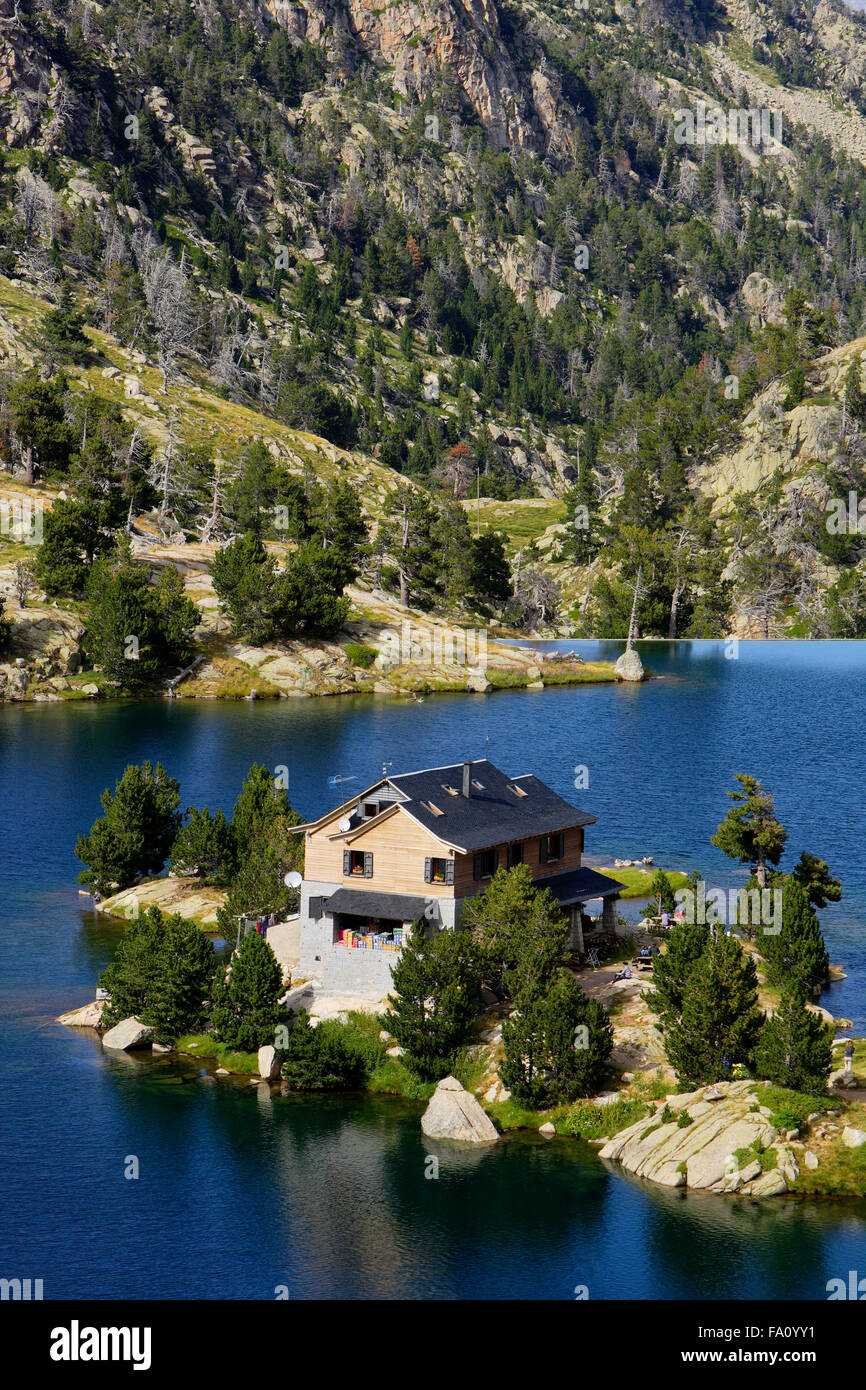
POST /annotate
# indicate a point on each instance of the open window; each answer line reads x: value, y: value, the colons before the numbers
x: 357, y: 863
x: 438, y: 870
x: 552, y: 847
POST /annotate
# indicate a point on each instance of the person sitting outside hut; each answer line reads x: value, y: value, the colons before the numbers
x: 849, y: 1058
x: 623, y: 974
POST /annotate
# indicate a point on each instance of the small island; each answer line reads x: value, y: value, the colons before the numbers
x: 688, y: 1046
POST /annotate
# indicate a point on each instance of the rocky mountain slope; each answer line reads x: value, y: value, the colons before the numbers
x: 462, y: 243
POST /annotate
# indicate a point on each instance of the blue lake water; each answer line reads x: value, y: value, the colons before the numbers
x: 238, y: 1193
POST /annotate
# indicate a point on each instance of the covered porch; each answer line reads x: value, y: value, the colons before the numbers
x: 573, y: 890
x: 369, y: 921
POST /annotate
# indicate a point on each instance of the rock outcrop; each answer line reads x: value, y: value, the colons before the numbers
x: 269, y: 1063
x: 718, y: 1138
x: 127, y: 1034
x: 453, y: 1113
x: 88, y: 1016
x: 629, y: 666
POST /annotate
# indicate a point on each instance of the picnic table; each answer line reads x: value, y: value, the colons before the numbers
x: 643, y: 962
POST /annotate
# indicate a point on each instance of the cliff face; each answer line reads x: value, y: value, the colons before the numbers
x: 461, y: 42
x: 466, y: 220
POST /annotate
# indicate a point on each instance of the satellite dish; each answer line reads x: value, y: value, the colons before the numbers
x: 293, y: 879
x: 346, y: 823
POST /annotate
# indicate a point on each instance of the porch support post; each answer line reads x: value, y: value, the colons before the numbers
x: 608, y: 912
x: 575, y: 928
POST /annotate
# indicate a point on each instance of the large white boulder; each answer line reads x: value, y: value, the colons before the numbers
x: 269, y: 1063
x: 453, y: 1113
x: 629, y: 666
x: 853, y: 1138
x: 127, y: 1034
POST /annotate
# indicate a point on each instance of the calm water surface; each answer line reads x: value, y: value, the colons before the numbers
x: 240, y: 1192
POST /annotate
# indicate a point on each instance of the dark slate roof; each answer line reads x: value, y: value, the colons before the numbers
x: 580, y: 885
x: 493, y: 814
x: 397, y: 907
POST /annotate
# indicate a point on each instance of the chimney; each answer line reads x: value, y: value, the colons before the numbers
x: 467, y: 779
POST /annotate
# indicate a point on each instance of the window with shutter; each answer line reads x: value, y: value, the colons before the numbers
x: 368, y: 864
x: 449, y: 870
x: 476, y: 866
x: 347, y: 861
x: 428, y: 870
x: 542, y: 850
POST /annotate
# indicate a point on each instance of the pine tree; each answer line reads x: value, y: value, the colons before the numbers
x: 796, y: 955
x: 662, y: 898
x: 436, y: 981
x: 686, y: 945
x: 135, y: 835
x: 204, y: 846
x: 820, y: 885
x: 751, y: 832
x: 556, y: 1047
x: 795, y: 1047
x: 62, y: 337
x: 162, y: 973
x: 522, y: 932
x: 720, y: 1020
x: 246, y: 1010
x: 317, y: 1059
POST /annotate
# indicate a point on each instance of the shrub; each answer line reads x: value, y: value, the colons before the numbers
x: 590, y: 1121
x: 684, y: 1119
x: 361, y: 654
x: 321, y: 1059
x: 790, y: 1109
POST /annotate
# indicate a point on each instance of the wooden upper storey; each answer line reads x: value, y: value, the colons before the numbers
x: 385, y: 839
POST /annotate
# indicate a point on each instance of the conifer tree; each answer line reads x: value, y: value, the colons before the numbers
x: 246, y: 1010
x: 436, y: 981
x: 317, y: 1059
x: 720, y: 1020
x: 556, y: 1046
x: 820, y: 885
x: 686, y: 945
x: 203, y: 846
x: 795, y: 1047
x: 162, y: 974
x: 796, y: 955
x: 134, y: 836
x: 751, y: 831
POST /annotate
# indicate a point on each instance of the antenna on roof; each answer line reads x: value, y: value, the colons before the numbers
x: 385, y: 767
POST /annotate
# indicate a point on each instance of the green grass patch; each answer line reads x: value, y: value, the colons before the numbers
x: 589, y: 1121
x: 392, y: 1077
x: 203, y: 1045
x: 651, y: 1088
x: 637, y: 881
x: 790, y: 1108
x: 505, y: 678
